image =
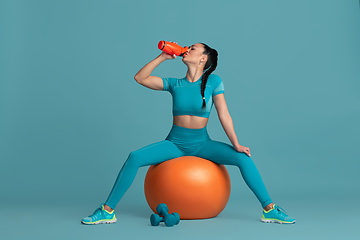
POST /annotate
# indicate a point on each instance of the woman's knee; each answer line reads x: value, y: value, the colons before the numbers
x: 134, y: 159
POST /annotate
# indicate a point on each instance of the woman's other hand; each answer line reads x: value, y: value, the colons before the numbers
x: 243, y: 149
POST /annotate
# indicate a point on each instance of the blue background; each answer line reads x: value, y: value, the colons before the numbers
x: 71, y: 112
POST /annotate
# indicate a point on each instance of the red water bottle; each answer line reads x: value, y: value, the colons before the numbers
x: 172, y: 48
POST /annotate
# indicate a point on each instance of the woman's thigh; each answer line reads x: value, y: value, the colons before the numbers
x: 154, y: 154
x: 222, y: 153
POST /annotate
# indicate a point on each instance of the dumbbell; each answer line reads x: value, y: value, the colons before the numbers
x: 156, y: 219
x: 169, y: 219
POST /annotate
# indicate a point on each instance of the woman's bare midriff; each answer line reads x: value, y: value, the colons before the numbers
x: 188, y: 121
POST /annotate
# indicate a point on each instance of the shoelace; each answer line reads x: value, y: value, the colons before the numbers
x: 281, y: 211
x: 95, y: 214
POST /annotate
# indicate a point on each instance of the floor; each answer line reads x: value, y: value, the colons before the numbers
x: 316, y: 218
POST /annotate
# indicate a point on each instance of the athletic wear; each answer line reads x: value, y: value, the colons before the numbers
x: 188, y: 142
x: 277, y: 215
x: 187, y: 98
x: 100, y: 215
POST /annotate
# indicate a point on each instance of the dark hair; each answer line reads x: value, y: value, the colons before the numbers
x: 211, y: 62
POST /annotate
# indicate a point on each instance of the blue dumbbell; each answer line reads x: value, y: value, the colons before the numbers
x: 169, y: 219
x: 155, y: 220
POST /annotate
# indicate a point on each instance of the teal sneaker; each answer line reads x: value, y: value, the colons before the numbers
x: 100, y: 216
x: 276, y: 215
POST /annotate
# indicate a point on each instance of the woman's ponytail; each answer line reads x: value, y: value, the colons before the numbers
x: 212, y: 63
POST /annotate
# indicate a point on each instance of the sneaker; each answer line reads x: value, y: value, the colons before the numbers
x: 100, y: 216
x: 276, y: 215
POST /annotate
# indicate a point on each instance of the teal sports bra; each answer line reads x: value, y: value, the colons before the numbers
x: 187, y: 99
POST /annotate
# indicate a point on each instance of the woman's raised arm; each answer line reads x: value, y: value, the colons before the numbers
x: 143, y: 75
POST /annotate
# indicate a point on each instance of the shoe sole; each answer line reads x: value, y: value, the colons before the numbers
x: 275, y: 221
x: 99, y: 222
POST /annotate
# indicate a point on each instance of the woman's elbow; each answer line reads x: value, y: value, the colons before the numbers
x: 137, y: 79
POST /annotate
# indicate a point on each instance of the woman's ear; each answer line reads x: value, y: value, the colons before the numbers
x: 203, y: 59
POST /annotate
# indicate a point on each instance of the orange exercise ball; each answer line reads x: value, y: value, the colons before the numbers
x: 194, y: 187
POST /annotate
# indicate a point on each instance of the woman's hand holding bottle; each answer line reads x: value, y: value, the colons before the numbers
x: 167, y: 56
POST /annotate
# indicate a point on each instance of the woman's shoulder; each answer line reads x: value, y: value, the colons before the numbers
x: 173, y: 78
x: 214, y: 76
x: 214, y: 79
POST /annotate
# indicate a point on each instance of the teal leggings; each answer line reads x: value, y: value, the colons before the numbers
x: 188, y: 142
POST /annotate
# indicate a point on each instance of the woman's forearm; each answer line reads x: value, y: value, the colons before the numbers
x: 227, y: 124
x: 148, y: 68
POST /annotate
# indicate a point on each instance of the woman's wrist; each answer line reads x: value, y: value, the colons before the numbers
x: 161, y: 58
x: 236, y: 145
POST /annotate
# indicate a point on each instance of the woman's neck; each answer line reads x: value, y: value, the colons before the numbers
x: 193, y: 74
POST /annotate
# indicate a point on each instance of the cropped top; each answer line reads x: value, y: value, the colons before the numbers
x: 187, y: 99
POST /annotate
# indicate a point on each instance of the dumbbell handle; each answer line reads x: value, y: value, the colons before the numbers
x: 156, y: 219
x: 171, y: 219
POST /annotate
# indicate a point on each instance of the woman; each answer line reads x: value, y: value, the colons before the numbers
x: 193, y: 98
